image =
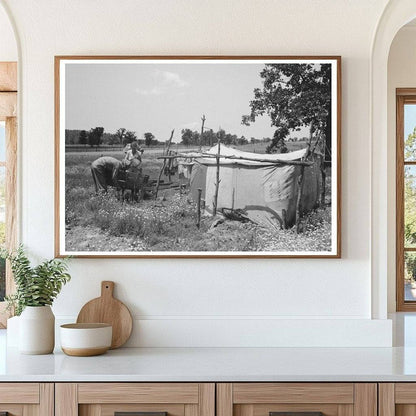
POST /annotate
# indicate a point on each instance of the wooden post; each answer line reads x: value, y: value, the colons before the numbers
x: 300, y: 182
x: 323, y: 176
x: 299, y: 198
x: 321, y: 168
x: 169, y: 167
x: 202, y: 131
x: 217, y: 184
x: 164, y: 164
x: 284, y: 219
x: 198, y: 208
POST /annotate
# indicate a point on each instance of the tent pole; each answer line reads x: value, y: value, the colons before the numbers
x: 299, y: 198
x: 198, y: 208
x: 217, y: 184
x: 323, y: 176
x: 202, y: 131
x: 164, y: 163
x: 300, y: 181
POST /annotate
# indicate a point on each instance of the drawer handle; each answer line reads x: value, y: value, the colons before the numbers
x: 296, y: 414
x: 138, y: 414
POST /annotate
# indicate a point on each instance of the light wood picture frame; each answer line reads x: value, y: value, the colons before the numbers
x: 198, y: 156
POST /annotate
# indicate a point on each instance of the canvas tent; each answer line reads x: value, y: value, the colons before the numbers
x: 265, y: 186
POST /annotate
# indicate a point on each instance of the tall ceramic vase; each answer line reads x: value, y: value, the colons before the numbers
x: 37, y: 330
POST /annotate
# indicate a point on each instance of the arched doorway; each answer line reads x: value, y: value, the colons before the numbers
x: 396, y: 14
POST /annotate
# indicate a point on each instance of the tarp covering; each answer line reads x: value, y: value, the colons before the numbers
x: 266, y: 191
x: 235, y: 154
x: 226, y: 152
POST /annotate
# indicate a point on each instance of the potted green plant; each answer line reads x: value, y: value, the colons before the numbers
x: 36, y: 289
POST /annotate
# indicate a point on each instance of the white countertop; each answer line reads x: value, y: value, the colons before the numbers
x: 213, y: 364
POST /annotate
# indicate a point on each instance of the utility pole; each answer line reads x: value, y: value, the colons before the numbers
x: 202, y: 132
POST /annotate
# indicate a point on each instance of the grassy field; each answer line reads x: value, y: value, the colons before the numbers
x: 104, y: 223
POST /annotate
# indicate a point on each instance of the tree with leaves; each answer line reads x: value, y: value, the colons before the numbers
x: 110, y: 139
x: 221, y: 135
x: 294, y: 96
x: 189, y: 137
x: 82, y: 138
x: 120, y: 134
x: 148, y: 138
x: 95, y: 136
x: 186, y: 135
x: 129, y: 137
x: 208, y: 137
x: 410, y: 146
x: 242, y: 141
x: 410, y: 206
x: 410, y: 190
x: 278, y: 142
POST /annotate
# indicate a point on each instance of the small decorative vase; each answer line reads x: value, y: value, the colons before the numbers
x: 37, y: 330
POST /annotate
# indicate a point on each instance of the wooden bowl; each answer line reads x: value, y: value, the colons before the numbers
x: 85, y: 340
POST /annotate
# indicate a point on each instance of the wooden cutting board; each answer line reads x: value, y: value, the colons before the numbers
x: 107, y: 309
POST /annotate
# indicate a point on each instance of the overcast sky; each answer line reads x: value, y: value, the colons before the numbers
x: 409, y: 119
x: 161, y: 97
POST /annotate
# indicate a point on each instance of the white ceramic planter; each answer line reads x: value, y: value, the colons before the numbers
x: 37, y: 330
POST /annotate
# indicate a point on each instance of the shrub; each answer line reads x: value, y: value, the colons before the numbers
x: 35, y: 286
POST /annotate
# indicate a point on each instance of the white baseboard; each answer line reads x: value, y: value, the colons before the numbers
x: 253, y: 332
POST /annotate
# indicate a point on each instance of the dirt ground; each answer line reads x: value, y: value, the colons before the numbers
x: 104, y: 223
x: 89, y: 238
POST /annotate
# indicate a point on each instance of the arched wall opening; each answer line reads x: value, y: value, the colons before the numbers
x: 397, y: 14
x: 400, y: 74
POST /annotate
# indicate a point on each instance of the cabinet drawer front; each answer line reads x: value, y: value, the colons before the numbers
x: 295, y: 409
x: 11, y: 409
x: 252, y: 393
x: 111, y: 409
x: 330, y: 399
x: 405, y: 393
x: 138, y: 393
x: 27, y: 393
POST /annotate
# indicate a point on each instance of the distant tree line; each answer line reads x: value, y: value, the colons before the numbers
x: 209, y: 138
x: 97, y: 136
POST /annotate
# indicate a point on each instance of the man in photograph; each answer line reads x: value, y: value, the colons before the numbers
x: 104, y: 172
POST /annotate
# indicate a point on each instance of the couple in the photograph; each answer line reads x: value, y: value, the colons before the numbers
x: 106, y: 170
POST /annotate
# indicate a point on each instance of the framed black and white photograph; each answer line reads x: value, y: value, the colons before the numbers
x: 197, y: 156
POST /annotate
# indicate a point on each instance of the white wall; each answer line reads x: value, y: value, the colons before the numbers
x: 401, y: 74
x: 8, y: 47
x: 179, y: 302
